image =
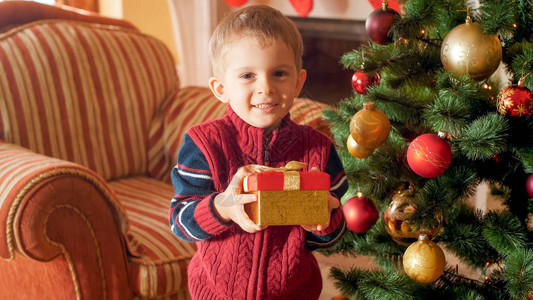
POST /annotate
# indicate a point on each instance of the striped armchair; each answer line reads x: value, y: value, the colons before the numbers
x: 91, y: 119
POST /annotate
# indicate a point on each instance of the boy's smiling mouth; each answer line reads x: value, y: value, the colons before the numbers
x: 264, y: 105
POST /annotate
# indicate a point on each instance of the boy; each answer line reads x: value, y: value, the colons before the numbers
x: 256, y: 57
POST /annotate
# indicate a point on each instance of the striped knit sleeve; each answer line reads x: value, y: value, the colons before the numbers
x: 337, y: 224
x: 191, y: 215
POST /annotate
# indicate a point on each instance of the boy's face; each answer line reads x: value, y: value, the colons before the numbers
x: 260, y: 83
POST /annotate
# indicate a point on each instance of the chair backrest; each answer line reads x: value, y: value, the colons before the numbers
x: 84, y: 92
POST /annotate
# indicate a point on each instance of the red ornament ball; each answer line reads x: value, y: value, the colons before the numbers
x: 429, y: 155
x: 340, y: 298
x: 361, y: 81
x: 379, y: 23
x: 515, y: 101
x: 529, y: 185
x: 360, y: 213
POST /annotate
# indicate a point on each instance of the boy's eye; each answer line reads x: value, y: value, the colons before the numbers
x: 280, y: 73
x: 246, y: 75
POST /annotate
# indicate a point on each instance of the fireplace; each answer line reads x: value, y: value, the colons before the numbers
x: 325, y: 41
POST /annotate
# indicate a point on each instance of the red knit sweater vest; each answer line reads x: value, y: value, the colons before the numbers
x: 270, y: 264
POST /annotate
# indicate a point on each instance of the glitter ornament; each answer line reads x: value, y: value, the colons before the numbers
x: 424, y: 260
x: 396, y: 219
x: 429, y: 155
x: 467, y: 50
x: 360, y: 213
x: 379, y: 23
x: 361, y: 81
x: 515, y: 100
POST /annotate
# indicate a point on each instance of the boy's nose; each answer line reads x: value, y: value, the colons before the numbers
x: 264, y: 87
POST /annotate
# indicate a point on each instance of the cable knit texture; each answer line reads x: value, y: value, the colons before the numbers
x: 270, y: 264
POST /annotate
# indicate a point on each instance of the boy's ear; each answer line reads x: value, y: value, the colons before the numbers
x: 302, y: 75
x: 217, y: 88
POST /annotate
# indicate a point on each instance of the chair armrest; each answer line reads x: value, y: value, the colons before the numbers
x: 50, y: 206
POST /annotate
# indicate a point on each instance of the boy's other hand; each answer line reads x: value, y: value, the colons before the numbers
x: 229, y: 205
x: 332, y: 204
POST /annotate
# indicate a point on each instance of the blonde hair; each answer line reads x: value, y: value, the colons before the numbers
x: 260, y: 22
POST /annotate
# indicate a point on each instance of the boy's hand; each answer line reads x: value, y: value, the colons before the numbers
x: 229, y: 205
x: 332, y: 204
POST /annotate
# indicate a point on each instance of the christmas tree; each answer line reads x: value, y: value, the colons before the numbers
x: 452, y: 126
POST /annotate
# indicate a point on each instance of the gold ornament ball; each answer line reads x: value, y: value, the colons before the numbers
x: 424, y: 260
x: 396, y: 219
x: 467, y: 50
x: 357, y: 150
x: 370, y: 127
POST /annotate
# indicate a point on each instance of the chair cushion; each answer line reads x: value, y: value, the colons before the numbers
x: 160, y: 268
x: 85, y: 93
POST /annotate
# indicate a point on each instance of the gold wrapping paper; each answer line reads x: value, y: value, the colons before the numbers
x: 304, y: 207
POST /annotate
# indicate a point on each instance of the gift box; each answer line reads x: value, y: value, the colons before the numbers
x: 288, y: 197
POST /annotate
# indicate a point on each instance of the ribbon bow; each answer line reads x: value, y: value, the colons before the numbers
x: 290, y: 166
x: 291, y: 176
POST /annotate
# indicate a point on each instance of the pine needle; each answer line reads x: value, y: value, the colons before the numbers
x: 485, y: 137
